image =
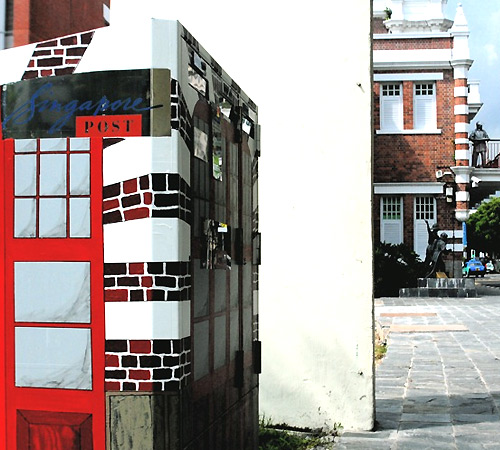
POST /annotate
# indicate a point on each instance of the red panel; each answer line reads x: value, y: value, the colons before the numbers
x: 63, y: 410
x: 109, y: 126
x: 41, y: 430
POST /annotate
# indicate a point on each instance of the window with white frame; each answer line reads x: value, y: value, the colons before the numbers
x: 424, y: 106
x: 425, y: 210
x: 391, y: 219
x: 391, y: 106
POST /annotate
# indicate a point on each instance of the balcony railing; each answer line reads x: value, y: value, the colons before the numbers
x: 492, y: 155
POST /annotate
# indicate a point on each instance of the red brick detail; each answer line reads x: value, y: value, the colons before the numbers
x: 165, y: 364
x: 112, y: 386
x: 138, y: 374
x: 136, y: 268
x: 116, y: 295
x: 146, y: 386
x: 130, y: 186
x: 140, y: 347
x: 112, y: 361
x: 147, y: 281
x: 110, y: 204
x: 51, y: 54
x: 138, y: 213
x: 147, y: 198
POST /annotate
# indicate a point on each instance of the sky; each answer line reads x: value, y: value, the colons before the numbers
x: 483, y: 18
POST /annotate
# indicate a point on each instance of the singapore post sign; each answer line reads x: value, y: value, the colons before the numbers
x: 116, y: 103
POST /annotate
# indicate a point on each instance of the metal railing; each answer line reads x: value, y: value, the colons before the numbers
x: 492, y: 153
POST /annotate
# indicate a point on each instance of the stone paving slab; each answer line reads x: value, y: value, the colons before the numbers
x: 438, y: 386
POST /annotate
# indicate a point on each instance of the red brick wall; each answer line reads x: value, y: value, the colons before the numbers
x: 416, y: 157
x: 40, y: 20
x: 412, y: 44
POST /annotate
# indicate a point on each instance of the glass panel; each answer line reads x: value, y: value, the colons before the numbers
x: 25, y: 145
x: 200, y: 287
x: 53, y: 358
x: 79, y: 177
x: 53, y: 145
x: 220, y: 342
x: 52, y: 217
x: 201, y: 349
x: 52, y: 291
x: 25, y: 175
x: 25, y: 217
x: 79, y: 144
x: 79, y: 217
x: 53, y: 175
x: 234, y: 334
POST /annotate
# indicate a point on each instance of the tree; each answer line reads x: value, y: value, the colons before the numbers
x: 483, y: 227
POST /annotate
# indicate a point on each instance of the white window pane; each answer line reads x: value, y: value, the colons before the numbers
x: 52, y: 291
x: 25, y: 175
x: 53, y: 145
x: 52, y: 220
x: 79, y: 177
x: 79, y: 217
x: 53, y: 358
x: 25, y: 217
x: 53, y: 175
x: 79, y: 144
x: 25, y: 145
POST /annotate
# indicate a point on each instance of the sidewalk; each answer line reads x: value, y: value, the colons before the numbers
x: 438, y: 387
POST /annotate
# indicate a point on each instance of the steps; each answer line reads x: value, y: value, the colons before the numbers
x: 441, y: 287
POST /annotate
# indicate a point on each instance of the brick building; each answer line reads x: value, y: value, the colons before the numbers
x: 424, y: 102
x: 25, y: 21
x: 130, y: 165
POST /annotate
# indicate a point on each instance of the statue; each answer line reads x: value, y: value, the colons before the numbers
x: 432, y: 233
x: 479, y: 138
x: 436, y: 263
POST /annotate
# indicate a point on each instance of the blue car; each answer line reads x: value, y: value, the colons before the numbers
x: 473, y: 267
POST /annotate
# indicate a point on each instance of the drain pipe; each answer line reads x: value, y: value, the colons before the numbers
x: 3, y: 9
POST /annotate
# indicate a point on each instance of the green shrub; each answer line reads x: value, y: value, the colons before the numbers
x: 396, y: 266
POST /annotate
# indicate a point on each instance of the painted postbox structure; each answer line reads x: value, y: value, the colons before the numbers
x: 130, y: 245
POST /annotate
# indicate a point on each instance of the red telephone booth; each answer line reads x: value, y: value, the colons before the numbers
x: 54, y: 319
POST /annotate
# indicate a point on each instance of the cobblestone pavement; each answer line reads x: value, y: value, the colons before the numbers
x: 438, y: 387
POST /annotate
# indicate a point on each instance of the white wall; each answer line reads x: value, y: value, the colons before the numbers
x: 307, y: 67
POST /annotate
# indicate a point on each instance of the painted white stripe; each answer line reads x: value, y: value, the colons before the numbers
x: 462, y: 154
x: 427, y: 57
x: 462, y: 141
x: 461, y: 71
x: 425, y: 76
x: 408, y: 188
x: 148, y: 320
x: 461, y: 127
x: 461, y: 109
x: 462, y: 196
x: 151, y: 239
x: 14, y: 62
x: 137, y: 156
x: 462, y: 91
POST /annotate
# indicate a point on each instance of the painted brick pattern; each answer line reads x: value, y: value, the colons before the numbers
x: 153, y: 195
x: 149, y: 365
x: 413, y: 44
x: 58, y: 56
x: 151, y: 281
x: 180, y: 118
